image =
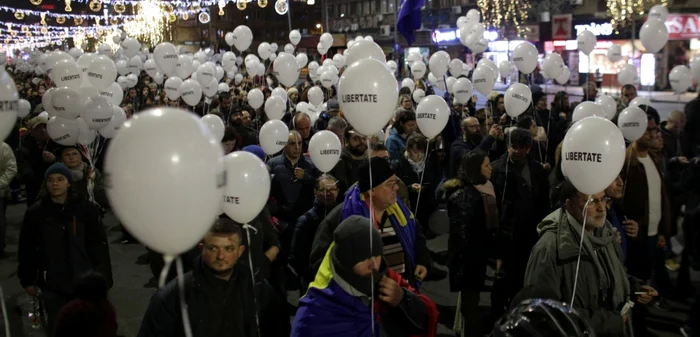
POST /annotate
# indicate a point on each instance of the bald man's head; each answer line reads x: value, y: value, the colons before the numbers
x: 470, y: 126
x: 675, y: 121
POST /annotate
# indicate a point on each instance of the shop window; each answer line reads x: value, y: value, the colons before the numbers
x: 365, y: 8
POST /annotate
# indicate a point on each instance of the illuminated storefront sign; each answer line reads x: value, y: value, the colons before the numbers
x: 451, y: 36
x: 598, y: 29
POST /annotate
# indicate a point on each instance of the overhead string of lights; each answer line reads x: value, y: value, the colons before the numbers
x: 61, y: 28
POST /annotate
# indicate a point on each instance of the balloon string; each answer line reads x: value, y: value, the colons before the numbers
x: 183, y: 303
x: 371, y: 224
x: 420, y: 189
x: 505, y: 181
x: 168, y: 259
x: 449, y: 102
x: 247, y: 228
x: 4, y: 312
x: 627, y: 172
x: 580, y: 247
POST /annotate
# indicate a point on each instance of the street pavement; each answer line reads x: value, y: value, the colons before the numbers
x: 131, y: 298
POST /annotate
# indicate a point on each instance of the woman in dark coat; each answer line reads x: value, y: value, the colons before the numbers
x: 473, y: 239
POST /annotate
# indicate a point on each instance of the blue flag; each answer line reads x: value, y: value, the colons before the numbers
x: 409, y: 18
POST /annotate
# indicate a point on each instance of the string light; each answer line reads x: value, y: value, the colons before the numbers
x: 502, y: 13
x: 623, y: 12
x: 241, y: 4
x: 204, y: 17
x: 35, y: 2
x: 119, y: 7
x: 222, y: 4
x: 262, y: 3
x: 149, y: 24
x: 61, y: 20
x: 95, y: 6
x: 68, y: 9
x: 43, y: 19
x: 19, y: 15
x: 57, y: 28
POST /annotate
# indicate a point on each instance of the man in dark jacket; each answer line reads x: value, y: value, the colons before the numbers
x: 353, y: 155
x: 35, y: 155
x: 61, y: 238
x: 249, y: 136
x: 326, y: 191
x: 220, y: 295
x: 471, y: 140
x: 522, y: 194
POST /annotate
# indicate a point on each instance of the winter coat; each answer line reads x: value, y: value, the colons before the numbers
x: 461, y: 148
x: 395, y: 144
x: 58, y: 243
x: 8, y: 168
x: 31, y: 164
x: 293, y: 196
x: 303, y: 240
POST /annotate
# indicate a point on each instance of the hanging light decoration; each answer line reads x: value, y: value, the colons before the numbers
x: 44, y: 30
x: 78, y: 21
x: 8, y: 40
x: 172, y: 18
x: 113, y: 20
x: 262, y: 3
x: 24, y: 29
x: 281, y: 7
x: 119, y: 7
x: 68, y: 9
x: 95, y: 5
x: 61, y: 20
x: 195, y: 7
x: 13, y: 33
x: 241, y: 4
x: 149, y: 22
x: 35, y: 2
x: 185, y: 16
x: 19, y: 15
x: 43, y: 19
x: 204, y: 17
x: 222, y: 4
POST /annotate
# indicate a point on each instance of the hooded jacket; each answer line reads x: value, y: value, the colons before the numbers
x: 602, y: 287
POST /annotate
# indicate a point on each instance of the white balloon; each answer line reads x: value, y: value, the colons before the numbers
x: 67, y: 74
x: 438, y: 63
x: 113, y: 93
x: 275, y: 107
x: 315, y: 95
x: 633, y: 123
x: 302, y: 59
x: 158, y: 78
x: 97, y: 112
x: 281, y: 93
x: 131, y: 47
x: 122, y: 67
x: 418, y: 95
x: 450, y: 83
x: 215, y: 125
x: 85, y: 136
x: 101, y: 72
x: 553, y: 65
x: 172, y: 88
x: 637, y: 101
x: 564, y: 76
x: 367, y: 94
x: 200, y: 56
x: 228, y: 60
x: 658, y: 12
x: 237, y: 79
x: 327, y: 40
x: 184, y: 67
x: 135, y: 65
x: 517, y: 99
x: 339, y: 61
x: 131, y: 80
x: 161, y: 216
x: 247, y: 186
x: 614, y: 53
x: 205, y: 74
x: 525, y: 57
x: 695, y: 68
x: 483, y: 80
x: 680, y: 79
x: 191, y: 92
x: 54, y: 58
x: 75, y: 52
x: 118, y: 118
x: 84, y: 61
x: 587, y: 109
x: 391, y: 64
x: 408, y: 83
x: 654, y: 35
x: 66, y: 103
x: 321, y: 48
x: 222, y: 87
x: 504, y: 68
x: 23, y: 108
x: 324, y: 150
x: 8, y: 112
x: 63, y: 131
x: 243, y: 37
x: 608, y: 104
x: 255, y: 98
x: 627, y: 74
x: 273, y: 136
x: 418, y: 70
x: 294, y: 37
x: 289, y: 48
x: 455, y: 68
x: 327, y: 78
x: 593, y: 154
x: 365, y: 49
x: 432, y: 114
x: 210, y: 89
x: 229, y: 39
x: 462, y: 89
x: 218, y: 73
x: 286, y: 69
x: 586, y: 42
x: 264, y: 51
x: 166, y: 57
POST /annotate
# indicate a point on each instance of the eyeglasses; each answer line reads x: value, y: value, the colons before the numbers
x: 601, y: 201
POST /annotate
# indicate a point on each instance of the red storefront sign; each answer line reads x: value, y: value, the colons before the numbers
x: 683, y: 26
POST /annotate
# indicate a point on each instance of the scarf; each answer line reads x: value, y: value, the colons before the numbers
x: 417, y: 167
x: 486, y: 188
x: 399, y: 215
x: 78, y: 172
x: 601, y: 248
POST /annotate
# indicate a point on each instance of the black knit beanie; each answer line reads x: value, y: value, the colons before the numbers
x: 381, y: 171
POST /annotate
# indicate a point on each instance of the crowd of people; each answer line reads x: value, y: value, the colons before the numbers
x: 510, y: 208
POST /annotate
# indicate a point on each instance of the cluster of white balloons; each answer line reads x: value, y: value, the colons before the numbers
x: 471, y: 32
